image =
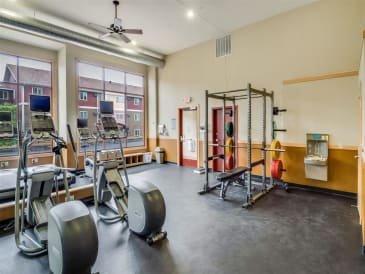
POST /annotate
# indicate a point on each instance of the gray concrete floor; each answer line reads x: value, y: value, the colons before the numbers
x: 297, y: 232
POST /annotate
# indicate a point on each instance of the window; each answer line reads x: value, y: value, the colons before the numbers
x: 19, y: 78
x: 4, y: 94
x: 37, y: 91
x: 126, y: 90
x: 120, y: 99
x: 83, y: 95
x: 119, y: 117
x: 84, y: 114
x: 135, y: 84
x: 137, y: 132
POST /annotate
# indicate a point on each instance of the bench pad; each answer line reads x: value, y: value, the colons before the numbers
x: 232, y: 174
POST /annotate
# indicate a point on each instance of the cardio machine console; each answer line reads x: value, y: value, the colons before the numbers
x: 42, y: 124
x: 41, y: 119
x: 108, y: 122
x: 84, y: 132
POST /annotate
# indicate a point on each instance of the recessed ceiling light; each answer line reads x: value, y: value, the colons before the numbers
x: 190, y: 14
x: 134, y: 43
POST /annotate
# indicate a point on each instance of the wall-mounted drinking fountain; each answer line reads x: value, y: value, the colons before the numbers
x: 316, y: 160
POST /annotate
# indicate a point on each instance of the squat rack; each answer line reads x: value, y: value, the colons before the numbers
x: 232, y: 96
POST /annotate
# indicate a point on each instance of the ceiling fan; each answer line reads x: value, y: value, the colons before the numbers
x: 116, y: 29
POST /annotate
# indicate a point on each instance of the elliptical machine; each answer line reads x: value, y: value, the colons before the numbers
x: 67, y: 230
x: 140, y: 205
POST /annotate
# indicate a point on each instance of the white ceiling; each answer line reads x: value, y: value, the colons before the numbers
x: 166, y: 29
x: 29, y: 39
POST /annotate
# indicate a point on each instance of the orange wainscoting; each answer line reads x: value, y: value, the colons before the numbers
x: 342, y: 165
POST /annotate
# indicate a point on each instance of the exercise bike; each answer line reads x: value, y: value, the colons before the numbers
x: 66, y: 231
x: 140, y: 205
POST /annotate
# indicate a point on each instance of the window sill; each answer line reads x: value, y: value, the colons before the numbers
x: 128, y: 150
x: 31, y: 156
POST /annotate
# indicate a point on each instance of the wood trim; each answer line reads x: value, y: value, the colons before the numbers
x: 320, y: 77
x: 257, y: 144
x: 363, y: 34
x: 330, y: 146
x: 31, y: 156
x: 179, y: 132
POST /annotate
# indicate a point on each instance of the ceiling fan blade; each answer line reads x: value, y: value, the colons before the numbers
x: 105, y: 35
x: 98, y: 27
x: 133, y: 31
x: 122, y: 37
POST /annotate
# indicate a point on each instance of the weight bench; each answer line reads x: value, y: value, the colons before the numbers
x: 229, y: 177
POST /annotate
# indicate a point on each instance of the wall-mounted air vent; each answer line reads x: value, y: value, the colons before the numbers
x: 223, y: 46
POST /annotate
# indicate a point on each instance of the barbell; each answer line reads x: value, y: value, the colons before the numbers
x: 270, y: 149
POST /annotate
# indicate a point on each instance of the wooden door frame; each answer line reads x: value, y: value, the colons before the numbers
x: 360, y: 156
x: 180, y: 111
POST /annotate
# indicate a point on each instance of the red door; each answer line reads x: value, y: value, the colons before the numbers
x: 219, y: 132
x: 188, y: 140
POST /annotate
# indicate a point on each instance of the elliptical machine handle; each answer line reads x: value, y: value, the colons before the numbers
x: 73, y: 147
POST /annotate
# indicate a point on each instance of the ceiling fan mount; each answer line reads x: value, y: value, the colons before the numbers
x: 115, y: 29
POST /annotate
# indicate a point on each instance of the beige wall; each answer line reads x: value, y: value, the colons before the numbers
x: 363, y: 14
x: 328, y: 106
x: 319, y: 38
x: 15, y: 48
x: 152, y: 107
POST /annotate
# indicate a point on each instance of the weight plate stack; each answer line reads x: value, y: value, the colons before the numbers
x: 229, y: 146
x: 275, y: 155
x: 229, y: 129
x: 277, y: 169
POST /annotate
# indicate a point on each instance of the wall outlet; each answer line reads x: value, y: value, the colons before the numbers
x: 35, y: 161
x: 4, y: 164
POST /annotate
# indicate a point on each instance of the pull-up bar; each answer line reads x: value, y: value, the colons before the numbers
x: 252, y: 90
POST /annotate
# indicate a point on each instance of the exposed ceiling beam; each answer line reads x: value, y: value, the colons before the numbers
x: 44, y: 29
